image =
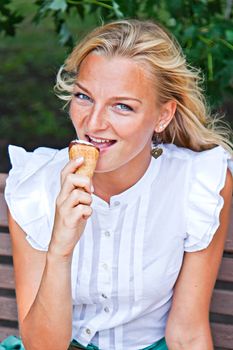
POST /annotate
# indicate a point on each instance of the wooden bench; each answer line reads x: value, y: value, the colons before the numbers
x: 221, y: 314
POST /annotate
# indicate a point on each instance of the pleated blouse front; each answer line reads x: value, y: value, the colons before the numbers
x: 127, y: 261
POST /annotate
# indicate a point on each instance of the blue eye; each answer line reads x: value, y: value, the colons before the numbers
x: 82, y: 96
x: 124, y: 107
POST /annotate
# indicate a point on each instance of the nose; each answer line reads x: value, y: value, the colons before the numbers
x: 97, y: 119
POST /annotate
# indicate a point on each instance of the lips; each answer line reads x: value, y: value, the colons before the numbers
x: 100, y: 142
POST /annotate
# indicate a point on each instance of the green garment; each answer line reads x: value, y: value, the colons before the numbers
x: 159, y: 345
x: 15, y: 343
x: 12, y: 343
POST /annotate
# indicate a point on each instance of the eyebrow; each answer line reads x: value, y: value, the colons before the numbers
x: 114, y: 97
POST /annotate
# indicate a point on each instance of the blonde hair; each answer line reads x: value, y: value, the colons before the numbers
x: 150, y: 44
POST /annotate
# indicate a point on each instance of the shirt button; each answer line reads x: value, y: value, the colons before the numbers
x: 116, y: 204
x: 105, y: 266
x: 107, y: 234
x: 106, y: 309
x: 104, y: 296
x: 88, y: 331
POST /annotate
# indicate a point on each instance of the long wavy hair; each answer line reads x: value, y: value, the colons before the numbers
x: 157, y: 50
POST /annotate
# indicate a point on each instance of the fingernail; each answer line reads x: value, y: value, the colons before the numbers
x: 92, y: 189
x: 79, y: 160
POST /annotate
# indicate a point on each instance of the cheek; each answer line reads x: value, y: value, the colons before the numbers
x: 76, y: 113
x: 72, y: 110
x: 137, y: 129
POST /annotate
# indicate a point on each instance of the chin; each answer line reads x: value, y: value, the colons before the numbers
x: 103, y: 170
x: 107, y: 168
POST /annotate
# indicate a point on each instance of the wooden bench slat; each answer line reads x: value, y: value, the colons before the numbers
x: 3, y: 177
x: 8, y: 309
x: 6, y: 331
x: 222, y: 302
x: 7, y: 274
x: 7, y: 277
x: 3, y: 207
x: 5, y: 244
x: 7, y: 281
x: 226, y: 270
x: 222, y: 335
x: 3, y: 211
x: 229, y: 241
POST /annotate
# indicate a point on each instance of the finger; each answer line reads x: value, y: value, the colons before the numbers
x: 73, y: 217
x: 71, y: 167
x: 77, y: 197
x: 74, y: 181
x: 76, y: 215
x: 83, y: 211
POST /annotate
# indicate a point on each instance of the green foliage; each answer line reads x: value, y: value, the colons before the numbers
x: 8, y: 18
x: 206, y: 36
x: 30, y: 55
x: 30, y: 113
x: 204, y: 29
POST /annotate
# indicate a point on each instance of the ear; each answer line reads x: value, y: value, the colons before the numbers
x: 167, y: 112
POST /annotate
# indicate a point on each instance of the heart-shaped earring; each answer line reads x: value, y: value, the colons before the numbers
x: 156, y: 151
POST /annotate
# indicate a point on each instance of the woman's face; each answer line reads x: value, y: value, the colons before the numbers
x: 114, y: 107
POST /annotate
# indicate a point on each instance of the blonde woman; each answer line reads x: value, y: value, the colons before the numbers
x: 129, y: 263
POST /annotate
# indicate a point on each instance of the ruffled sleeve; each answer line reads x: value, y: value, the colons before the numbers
x: 31, y: 190
x: 207, y: 178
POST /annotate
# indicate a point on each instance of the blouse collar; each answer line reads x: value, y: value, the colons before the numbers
x: 131, y: 194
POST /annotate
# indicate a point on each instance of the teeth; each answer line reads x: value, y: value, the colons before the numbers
x: 98, y: 140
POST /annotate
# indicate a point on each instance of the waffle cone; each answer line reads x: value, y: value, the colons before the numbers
x: 90, y: 154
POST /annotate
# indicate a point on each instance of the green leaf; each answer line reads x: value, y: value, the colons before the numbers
x: 8, y: 19
x: 229, y: 35
x: 210, y: 66
x: 58, y: 5
x: 190, y: 32
x: 116, y: 9
x: 225, y: 43
x: 64, y: 34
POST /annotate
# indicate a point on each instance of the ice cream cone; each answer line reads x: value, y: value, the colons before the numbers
x: 90, y: 154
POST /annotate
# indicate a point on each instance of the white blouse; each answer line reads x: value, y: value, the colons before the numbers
x: 130, y: 254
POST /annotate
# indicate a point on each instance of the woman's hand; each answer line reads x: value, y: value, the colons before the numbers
x: 72, y: 210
